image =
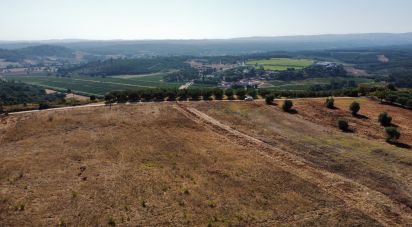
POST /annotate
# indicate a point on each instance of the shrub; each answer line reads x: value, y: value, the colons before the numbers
x: 385, y: 119
x: 330, y: 103
x: 264, y: 93
x: 343, y: 124
x: 287, y: 105
x: 402, y: 100
x: 241, y: 94
x: 269, y: 99
x: 409, y: 103
x: 195, y: 94
x: 218, y: 93
x: 93, y: 98
x: 111, y: 222
x: 354, y: 107
x: 230, y: 93
x: 43, y: 106
x: 392, y: 134
x: 252, y: 92
x: 207, y: 94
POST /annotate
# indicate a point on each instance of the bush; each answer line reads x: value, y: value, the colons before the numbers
x: 269, y: 99
x: 264, y: 93
x: 241, y: 94
x: 195, y: 94
x: 330, y: 103
x: 230, y: 94
x: 287, y: 105
x: 252, y: 92
x: 43, y: 106
x: 93, y: 98
x: 392, y: 134
x: 207, y: 94
x: 111, y: 222
x: 354, y: 107
x: 409, y: 103
x: 385, y: 119
x: 343, y: 124
x: 402, y: 100
x: 218, y: 93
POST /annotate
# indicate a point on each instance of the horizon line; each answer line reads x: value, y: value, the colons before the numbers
x: 200, y: 39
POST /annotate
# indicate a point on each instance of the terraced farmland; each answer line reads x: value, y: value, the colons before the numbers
x: 281, y: 64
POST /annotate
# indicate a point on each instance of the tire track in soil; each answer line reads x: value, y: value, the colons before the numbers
x: 357, y: 196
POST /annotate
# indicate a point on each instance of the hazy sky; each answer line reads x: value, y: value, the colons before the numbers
x: 184, y: 19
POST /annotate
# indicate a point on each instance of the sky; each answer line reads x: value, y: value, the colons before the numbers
x: 198, y: 19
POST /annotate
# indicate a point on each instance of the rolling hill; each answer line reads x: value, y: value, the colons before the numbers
x: 199, y: 164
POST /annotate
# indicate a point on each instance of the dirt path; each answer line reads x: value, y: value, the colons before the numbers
x: 357, y: 196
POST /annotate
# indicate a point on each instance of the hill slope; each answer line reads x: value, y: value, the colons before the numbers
x: 168, y: 164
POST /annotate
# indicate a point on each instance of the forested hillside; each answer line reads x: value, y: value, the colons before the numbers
x: 17, y: 93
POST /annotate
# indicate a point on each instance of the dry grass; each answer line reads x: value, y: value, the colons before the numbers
x: 147, y: 165
x: 367, y: 160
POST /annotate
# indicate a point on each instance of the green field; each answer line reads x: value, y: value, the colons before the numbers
x: 96, y: 85
x: 281, y: 64
x: 302, y: 85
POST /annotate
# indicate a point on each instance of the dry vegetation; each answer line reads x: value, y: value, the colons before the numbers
x: 152, y: 165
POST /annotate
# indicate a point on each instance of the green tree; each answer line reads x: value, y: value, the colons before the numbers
x: 385, y: 119
x: 183, y: 94
x: 343, y: 124
x: 354, y: 108
x: 252, y: 92
x: 230, y: 94
x: 287, y: 105
x: 241, y: 93
x: 330, y: 103
x: 218, y: 93
x: 109, y: 99
x: 269, y: 99
x: 207, y: 94
x: 195, y: 94
x: 392, y: 134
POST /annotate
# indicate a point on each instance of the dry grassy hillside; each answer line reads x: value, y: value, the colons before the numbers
x: 163, y: 165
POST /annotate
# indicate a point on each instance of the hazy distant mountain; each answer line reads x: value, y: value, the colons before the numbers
x: 35, y: 52
x: 225, y: 46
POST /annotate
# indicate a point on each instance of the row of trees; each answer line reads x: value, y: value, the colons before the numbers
x: 389, y: 94
x: 216, y: 93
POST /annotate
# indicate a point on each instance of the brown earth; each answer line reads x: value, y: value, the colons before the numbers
x: 158, y: 164
x: 380, y: 166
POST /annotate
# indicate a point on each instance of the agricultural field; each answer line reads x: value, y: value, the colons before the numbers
x: 281, y: 64
x: 199, y: 164
x: 304, y: 85
x: 97, y: 85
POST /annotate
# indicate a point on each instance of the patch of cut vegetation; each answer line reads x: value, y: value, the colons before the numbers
x: 281, y: 64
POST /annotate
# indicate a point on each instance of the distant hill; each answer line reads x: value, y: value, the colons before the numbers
x: 237, y: 46
x: 34, y: 52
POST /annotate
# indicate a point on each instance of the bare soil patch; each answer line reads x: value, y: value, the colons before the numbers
x: 148, y: 165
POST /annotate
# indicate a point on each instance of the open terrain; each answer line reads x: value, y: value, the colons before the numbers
x: 281, y: 64
x: 198, y: 163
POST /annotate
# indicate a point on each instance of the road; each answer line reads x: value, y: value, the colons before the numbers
x: 141, y: 103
